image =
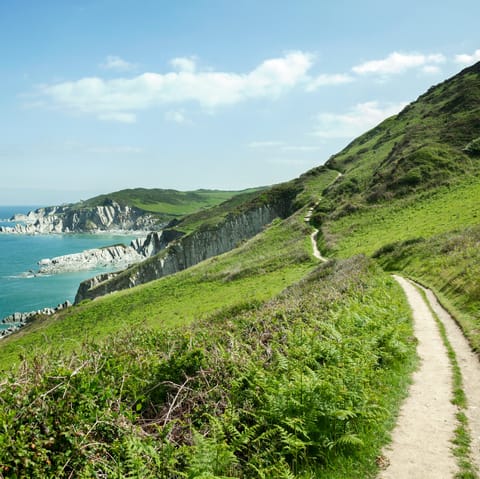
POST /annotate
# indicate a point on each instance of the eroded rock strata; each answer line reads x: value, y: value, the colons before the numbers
x: 184, y: 252
x: 111, y: 256
x: 111, y: 216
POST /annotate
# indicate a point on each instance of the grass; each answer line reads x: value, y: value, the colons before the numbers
x: 370, y: 228
x: 166, y: 202
x: 304, y: 385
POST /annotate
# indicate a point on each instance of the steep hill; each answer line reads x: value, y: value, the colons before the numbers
x: 434, y: 141
x: 261, y: 362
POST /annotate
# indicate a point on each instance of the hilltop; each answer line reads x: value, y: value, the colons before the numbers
x: 137, y: 209
x: 166, y: 204
x: 263, y: 361
x: 433, y: 141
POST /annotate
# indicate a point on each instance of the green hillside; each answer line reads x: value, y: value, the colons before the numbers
x: 168, y: 203
x: 415, y: 180
x: 434, y: 141
x: 263, y: 362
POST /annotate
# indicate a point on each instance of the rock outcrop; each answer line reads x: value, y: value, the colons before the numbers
x: 117, y: 256
x: 17, y: 320
x: 184, y: 252
x: 110, y: 216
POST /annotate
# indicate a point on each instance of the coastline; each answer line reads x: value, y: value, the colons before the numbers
x: 17, y: 321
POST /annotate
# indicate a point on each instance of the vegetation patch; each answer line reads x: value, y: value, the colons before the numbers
x: 370, y: 228
x: 305, y: 385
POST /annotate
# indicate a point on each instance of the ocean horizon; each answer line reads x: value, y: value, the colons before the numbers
x: 21, y: 290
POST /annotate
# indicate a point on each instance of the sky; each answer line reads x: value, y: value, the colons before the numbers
x: 102, y: 95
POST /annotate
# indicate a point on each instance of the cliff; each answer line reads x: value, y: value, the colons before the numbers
x: 185, y: 252
x: 116, y: 255
x: 110, y: 216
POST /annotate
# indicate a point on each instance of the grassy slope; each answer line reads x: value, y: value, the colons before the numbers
x: 420, y: 148
x: 167, y: 202
x: 259, y: 269
x: 303, y: 386
x: 411, y: 187
x: 368, y: 229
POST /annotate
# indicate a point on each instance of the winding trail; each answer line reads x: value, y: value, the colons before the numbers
x: 313, y: 236
x: 421, y: 445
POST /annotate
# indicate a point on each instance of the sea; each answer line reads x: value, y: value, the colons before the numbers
x: 21, y: 290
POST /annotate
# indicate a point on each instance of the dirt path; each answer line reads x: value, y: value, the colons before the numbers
x: 316, y: 252
x: 313, y: 236
x: 470, y: 367
x: 421, y: 441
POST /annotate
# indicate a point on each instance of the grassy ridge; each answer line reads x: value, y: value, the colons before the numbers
x: 302, y: 386
x: 167, y: 202
x: 430, y: 143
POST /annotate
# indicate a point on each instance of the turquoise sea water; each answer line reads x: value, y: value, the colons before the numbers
x: 20, y: 290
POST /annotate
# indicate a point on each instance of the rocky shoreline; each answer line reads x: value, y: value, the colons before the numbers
x: 111, y: 256
x: 118, y: 256
x: 17, y: 320
x: 109, y: 217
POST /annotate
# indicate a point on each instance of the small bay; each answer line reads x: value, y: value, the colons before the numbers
x: 20, y: 289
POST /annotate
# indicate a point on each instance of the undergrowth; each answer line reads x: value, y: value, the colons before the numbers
x: 305, y: 385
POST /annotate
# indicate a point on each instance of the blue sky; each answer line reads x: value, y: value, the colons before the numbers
x: 102, y: 95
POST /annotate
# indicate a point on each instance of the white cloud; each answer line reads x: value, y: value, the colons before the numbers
x: 288, y: 161
x: 184, y: 64
x: 301, y: 148
x: 118, y: 116
x: 118, y: 64
x: 118, y: 99
x: 398, y: 63
x: 431, y: 69
x: 465, y: 59
x: 359, y: 119
x: 281, y: 146
x: 328, y: 80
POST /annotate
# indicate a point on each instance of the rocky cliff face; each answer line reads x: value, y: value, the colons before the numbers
x: 66, y: 219
x: 116, y: 256
x: 184, y: 252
